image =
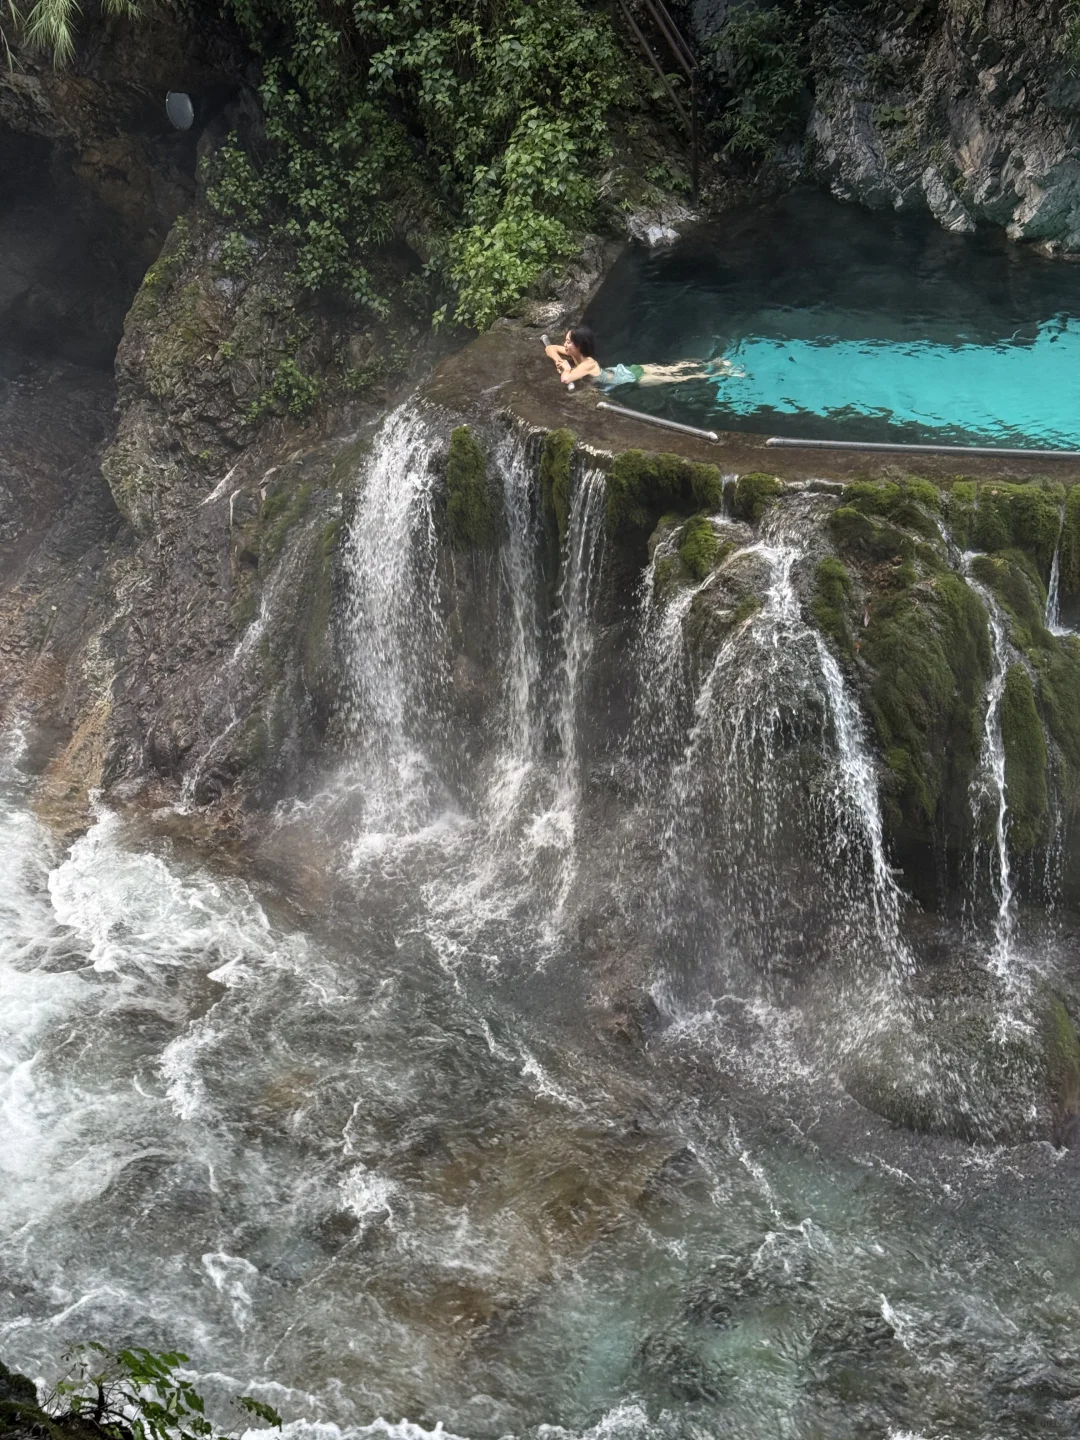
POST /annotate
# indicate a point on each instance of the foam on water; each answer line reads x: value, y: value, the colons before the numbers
x: 426, y: 1159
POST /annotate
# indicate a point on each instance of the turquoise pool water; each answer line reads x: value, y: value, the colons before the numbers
x: 846, y: 324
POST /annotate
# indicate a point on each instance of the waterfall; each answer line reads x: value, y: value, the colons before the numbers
x: 577, y: 593
x: 492, y: 801
x: 552, y: 832
x: 988, y: 788
x: 394, y: 628
x: 774, y: 782
x: 661, y: 662
x: 1053, y: 598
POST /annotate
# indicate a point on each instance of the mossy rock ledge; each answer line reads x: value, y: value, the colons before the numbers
x: 642, y: 486
x: 473, y: 505
x: 916, y: 634
x: 556, y: 484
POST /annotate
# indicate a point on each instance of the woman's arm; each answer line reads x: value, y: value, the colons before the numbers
x: 557, y: 353
x: 588, y: 366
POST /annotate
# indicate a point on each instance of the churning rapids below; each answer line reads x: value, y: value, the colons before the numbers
x: 540, y: 1125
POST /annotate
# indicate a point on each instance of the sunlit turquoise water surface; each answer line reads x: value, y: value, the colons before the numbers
x: 847, y: 324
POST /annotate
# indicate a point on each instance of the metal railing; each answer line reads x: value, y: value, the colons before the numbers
x: 687, y: 63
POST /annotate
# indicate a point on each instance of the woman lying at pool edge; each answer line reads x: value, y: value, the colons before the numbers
x: 575, y: 359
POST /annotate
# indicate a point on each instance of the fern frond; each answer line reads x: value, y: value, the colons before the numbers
x: 11, y: 24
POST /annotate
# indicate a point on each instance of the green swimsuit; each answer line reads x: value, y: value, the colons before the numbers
x: 620, y: 375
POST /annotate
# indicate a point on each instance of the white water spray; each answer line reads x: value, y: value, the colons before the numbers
x: 774, y: 687
x: 394, y: 628
x: 988, y: 788
x: 1053, y: 592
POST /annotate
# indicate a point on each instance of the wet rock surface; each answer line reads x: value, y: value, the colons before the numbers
x: 972, y: 116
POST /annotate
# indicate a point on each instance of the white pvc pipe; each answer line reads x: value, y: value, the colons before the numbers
x: 656, y: 420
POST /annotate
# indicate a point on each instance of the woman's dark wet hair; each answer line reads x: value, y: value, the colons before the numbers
x: 584, y: 339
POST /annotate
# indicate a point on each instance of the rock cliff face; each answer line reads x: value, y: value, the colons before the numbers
x: 170, y: 572
x: 970, y: 112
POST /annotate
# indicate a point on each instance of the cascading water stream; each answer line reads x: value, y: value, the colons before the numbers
x: 355, y: 1186
x: 989, y: 788
x: 577, y: 593
x: 394, y: 626
x: 772, y: 690
x: 1053, y: 591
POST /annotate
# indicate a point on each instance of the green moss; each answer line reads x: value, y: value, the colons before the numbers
x: 159, y: 278
x: 1059, y: 700
x: 642, y: 486
x: 130, y: 481
x: 1012, y: 578
x: 998, y: 515
x: 556, y: 455
x: 698, y: 546
x: 911, y: 503
x: 183, y: 342
x: 666, y: 573
x: 245, y: 603
x: 928, y: 650
x: 1070, y: 544
x: 278, y: 513
x: 868, y: 537
x: 472, y: 511
x: 747, y: 606
x: 754, y: 493
x: 318, y: 670
x: 1025, y: 760
x: 1062, y: 1051
x: 829, y: 604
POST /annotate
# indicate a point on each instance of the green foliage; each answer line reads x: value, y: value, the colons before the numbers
x: 472, y: 515
x: 49, y: 25
x: 698, y: 546
x: 555, y: 456
x: 482, y: 122
x: 642, y: 486
x: 289, y: 391
x: 1025, y: 760
x: 753, y: 493
x: 889, y: 117
x: 928, y: 650
x: 236, y: 255
x: 830, y: 601
x: 138, y: 1395
x: 761, y: 60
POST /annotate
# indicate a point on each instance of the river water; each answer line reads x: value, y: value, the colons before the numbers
x: 536, y: 1127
